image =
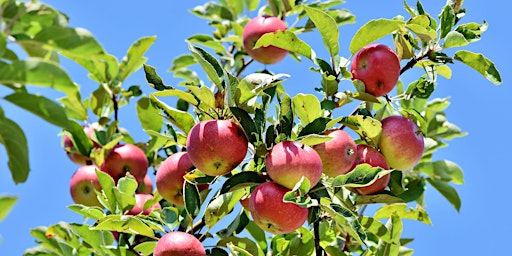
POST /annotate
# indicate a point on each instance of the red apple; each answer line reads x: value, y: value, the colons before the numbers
x: 272, y: 214
x: 83, y: 186
x: 140, y: 200
x: 169, y: 177
x: 369, y: 155
x: 74, y: 155
x: 177, y: 243
x: 257, y: 27
x: 216, y: 147
x: 338, y: 155
x: 125, y: 158
x: 401, y: 142
x: 378, y: 67
x: 288, y: 161
x: 146, y: 187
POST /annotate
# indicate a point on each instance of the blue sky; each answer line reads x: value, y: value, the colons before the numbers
x: 477, y: 106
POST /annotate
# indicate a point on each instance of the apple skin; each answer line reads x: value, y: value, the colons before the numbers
x: 257, y: 27
x: 169, y: 177
x: 83, y: 186
x: 378, y: 67
x: 73, y: 155
x: 146, y: 187
x: 125, y: 158
x: 216, y: 147
x: 177, y: 243
x: 288, y: 161
x: 140, y: 200
x: 273, y: 215
x: 369, y: 155
x: 401, y: 142
x: 338, y: 155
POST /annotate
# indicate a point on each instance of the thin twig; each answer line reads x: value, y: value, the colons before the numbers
x: 316, y: 229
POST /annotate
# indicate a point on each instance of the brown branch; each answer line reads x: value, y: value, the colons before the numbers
x: 316, y: 229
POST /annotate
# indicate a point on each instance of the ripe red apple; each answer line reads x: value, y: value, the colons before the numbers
x: 169, y: 177
x: 146, y: 187
x: 257, y: 27
x: 339, y: 154
x: 177, y: 243
x: 369, y: 155
x: 125, y: 158
x: 378, y: 67
x: 272, y: 214
x: 83, y: 186
x: 140, y: 200
x: 74, y: 155
x: 216, y: 147
x: 401, y: 142
x: 288, y: 161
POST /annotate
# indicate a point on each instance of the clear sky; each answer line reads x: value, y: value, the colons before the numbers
x: 477, y: 106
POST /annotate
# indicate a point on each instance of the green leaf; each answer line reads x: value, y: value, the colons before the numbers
x: 447, y: 19
x: 6, y: 204
x: 401, y: 210
x: 221, y: 205
x: 454, y: 39
x: 40, y: 106
x: 182, y: 61
x: 207, y: 41
x: 447, y: 191
x: 258, y: 234
x: 362, y: 175
x: 124, y: 224
x: 205, y: 96
x: 107, y: 187
x: 247, y: 123
x: 481, y: 64
x: 95, y: 212
x: 153, y: 79
x: 315, y: 127
x: 307, y: 107
x: 444, y: 170
x: 345, y: 219
x: 327, y: 27
x: 238, y: 225
x: 145, y: 248
x: 298, y: 243
x: 210, y: 65
x: 134, y: 57
x: 377, y: 199
x: 367, y: 127
x: 241, y: 180
x: 149, y: 116
x: 313, y: 139
x: 15, y: 143
x: 372, y: 31
x: 286, y: 40
x: 376, y: 227
x: 125, y: 192
x: 286, y: 116
x: 180, y: 119
x: 244, y: 246
x: 188, y: 97
x: 81, y: 141
x: 38, y: 72
x: 192, y: 199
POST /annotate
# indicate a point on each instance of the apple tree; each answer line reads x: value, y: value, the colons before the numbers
x: 241, y: 166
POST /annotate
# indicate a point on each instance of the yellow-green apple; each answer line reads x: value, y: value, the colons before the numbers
x: 216, y: 147
x: 369, y: 155
x: 378, y: 67
x: 83, y: 186
x: 169, y: 177
x: 177, y: 243
x: 288, y: 161
x: 75, y: 156
x: 338, y: 154
x: 256, y: 28
x: 401, y: 142
x: 125, y: 158
x: 140, y: 200
x: 271, y: 213
x: 146, y: 187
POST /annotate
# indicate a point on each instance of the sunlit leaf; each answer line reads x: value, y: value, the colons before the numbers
x: 372, y: 31
x: 481, y: 64
x: 40, y: 106
x: 149, y: 116
x: 6, y: 204
x: 286, y: 40
x: 404, y: 212
x: 134, y: 57
x: 15, y: 143
x: 327, y: 27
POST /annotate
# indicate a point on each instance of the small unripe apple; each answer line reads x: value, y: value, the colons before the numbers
x: 378, y: 67
x: 216, y: 147
x: 125, y: 158
x: 288, y: 161
x: 338, y: 154
x: 169, y: 177
x: 272, y: 214
x: 177, y: 243
x: 401, y: 142
x: 83, y: 186
x: 140, y: 200
x: 369, y: 155
x: 256, y: 28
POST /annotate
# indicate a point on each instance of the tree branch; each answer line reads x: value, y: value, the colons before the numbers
x: 316, y: 229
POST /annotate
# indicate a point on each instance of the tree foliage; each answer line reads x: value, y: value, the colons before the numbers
x: 337, y: 222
